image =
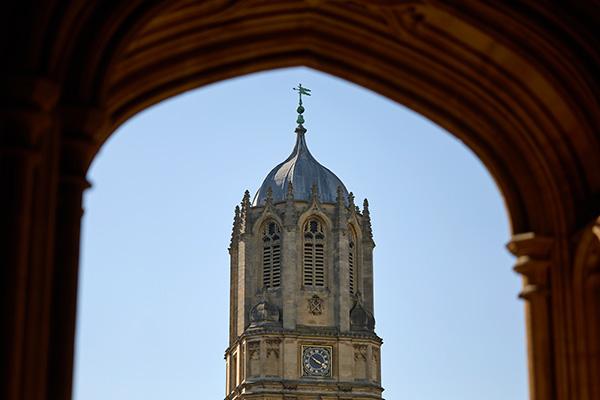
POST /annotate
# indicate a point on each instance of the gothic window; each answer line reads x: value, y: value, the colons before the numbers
x: 271, y: 261
x: 314, y: 253
x: 351, y: 258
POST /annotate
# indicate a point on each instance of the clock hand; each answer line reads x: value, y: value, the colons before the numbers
x: 317, y: 361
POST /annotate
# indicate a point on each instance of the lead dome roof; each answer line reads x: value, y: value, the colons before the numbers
x: 303, y: 171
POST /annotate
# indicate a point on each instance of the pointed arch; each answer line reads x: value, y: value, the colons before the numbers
x: 271, y: 254
x: 314, y: 258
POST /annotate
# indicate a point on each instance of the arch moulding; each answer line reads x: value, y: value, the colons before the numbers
x: 516, y: 82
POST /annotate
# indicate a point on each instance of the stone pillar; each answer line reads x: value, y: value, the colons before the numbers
x: 586, y: 292
x: 79, y: 143
x: 28, y: 168
x: 340, y: 267
x: 242, y: 259
x: 289, y: 270
x: 341, y: 278
x: 366, y: 273
x: 533, y: 263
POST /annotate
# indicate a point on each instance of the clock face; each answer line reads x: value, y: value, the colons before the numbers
x: 316, y: 361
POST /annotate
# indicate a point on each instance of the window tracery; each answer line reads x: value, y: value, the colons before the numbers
x: 351, y: 257
x: 271, y: 261
x: 314, y: 253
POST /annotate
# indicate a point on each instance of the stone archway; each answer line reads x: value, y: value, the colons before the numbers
x: 516, y: 83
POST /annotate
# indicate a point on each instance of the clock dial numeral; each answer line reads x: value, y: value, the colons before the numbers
x: 316, y: 361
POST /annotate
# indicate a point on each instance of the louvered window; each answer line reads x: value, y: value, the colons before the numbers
x: 271, y: 237
x: 314, y: 254
x: 351, y: 254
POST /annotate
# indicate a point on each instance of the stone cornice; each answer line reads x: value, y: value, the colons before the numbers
x: 349, y: 390
x: 304, y: 333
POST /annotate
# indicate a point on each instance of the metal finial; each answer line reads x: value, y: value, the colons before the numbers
x: 301, y: 91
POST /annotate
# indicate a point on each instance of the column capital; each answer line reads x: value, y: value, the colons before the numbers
x: 34, y: 92
x: 84, y: 128
x: 530, y: 244
x: 533, y: 262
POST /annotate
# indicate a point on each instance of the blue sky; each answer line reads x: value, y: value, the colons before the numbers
x: 154, y: 282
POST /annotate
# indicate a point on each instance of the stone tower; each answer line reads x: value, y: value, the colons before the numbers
x: 301, y: 299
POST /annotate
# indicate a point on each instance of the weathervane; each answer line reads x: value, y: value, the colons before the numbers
x: 301, y: 91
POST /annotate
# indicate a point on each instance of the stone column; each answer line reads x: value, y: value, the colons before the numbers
x: 289, y: 266
x: 79, y: 143
x: 586, y: 293
x: 340, y: 268
x: 28, y: 168
x: 367, y: 274
x: 341, y: 286
x: 533, y: 263
x: 242, y: 288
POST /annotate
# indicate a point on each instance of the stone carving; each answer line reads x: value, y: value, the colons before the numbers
x: 315, y: 305
x: 254, y: 350
x: 264, y: 313
x: 360, y: 318
x: 360, y: 351
x: 273, y: 347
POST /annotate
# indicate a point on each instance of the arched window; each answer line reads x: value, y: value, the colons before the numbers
x: 351, y: 256
x: 314, y: 253
x: 271, y: 237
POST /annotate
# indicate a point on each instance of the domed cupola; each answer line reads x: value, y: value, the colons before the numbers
x: 302, y: 170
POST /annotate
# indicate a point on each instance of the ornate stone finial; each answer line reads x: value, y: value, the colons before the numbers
x: 289, y: 219
x: 290, y: 192
x: 269, y: 199
x: 340, y: 195
x: 244, y: 211
x: 351, y: 204
x: 235, y: 232
x: 367, y: 228
x: 246, y: 201
x: 314, y: 192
